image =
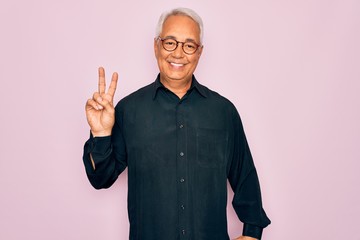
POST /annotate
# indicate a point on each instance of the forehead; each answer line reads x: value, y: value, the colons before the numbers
x: 181, y: 27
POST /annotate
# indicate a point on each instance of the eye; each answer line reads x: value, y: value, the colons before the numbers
x: 169, y: 43
x: 191, y: 46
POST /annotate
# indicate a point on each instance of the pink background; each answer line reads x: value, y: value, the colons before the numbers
x: 292, y: 68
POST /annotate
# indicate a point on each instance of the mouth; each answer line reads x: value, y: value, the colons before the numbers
x: 177, y: 64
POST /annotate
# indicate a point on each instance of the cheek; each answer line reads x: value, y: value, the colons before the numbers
x: 194, y: 61
x: 163, y: 55
x: 160, y: 54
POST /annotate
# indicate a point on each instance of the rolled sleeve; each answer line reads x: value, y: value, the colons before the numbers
x: 101, y: 151
x: 252, y: 231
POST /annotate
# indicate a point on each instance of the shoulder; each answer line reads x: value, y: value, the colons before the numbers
x: 143, y: 94
x: 217, y: 99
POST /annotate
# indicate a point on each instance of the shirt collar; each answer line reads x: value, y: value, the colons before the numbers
x: 194, y: 84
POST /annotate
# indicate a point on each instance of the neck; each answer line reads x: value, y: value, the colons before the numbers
x: 178, y: 87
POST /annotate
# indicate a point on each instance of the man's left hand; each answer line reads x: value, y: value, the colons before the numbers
x: 245, y: 238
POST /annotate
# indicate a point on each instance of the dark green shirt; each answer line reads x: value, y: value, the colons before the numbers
x: 180, y: 153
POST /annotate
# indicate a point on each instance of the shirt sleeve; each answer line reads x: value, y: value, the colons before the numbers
x: 244, y: 182
x: 109, y: 156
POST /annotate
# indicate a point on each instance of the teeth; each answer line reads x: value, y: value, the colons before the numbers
x: 177, y: 64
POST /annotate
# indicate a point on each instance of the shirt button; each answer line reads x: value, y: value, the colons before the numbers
x: 183, y: 232
x: 181, y: 154
x: 181, y: 126
x: 182, y: 180
x: 182, y: 207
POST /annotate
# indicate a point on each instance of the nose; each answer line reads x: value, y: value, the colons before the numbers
x: 178, y: 52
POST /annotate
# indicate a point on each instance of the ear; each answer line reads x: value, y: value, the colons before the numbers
x: 156, y: 47
x: 200, y: 50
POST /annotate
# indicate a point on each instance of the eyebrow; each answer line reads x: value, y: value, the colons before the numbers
x: 186, y: 40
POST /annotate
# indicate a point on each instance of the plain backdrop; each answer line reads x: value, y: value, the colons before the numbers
x: 292, y: 68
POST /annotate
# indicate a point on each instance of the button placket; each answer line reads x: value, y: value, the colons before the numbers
x: 182, y: 170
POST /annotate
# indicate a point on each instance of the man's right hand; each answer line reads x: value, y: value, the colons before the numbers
x: 100, y: 112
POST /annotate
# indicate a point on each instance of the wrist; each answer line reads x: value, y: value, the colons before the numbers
x: 104, y: 133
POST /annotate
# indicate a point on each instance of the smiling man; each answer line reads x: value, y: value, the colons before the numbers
x: 181, y: 143
x: 177, y: 64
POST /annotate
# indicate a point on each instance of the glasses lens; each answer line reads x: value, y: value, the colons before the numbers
x: 169, y: 44
x: 190, y: 47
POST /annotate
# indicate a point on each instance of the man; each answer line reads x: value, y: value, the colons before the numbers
x: 181, y: 143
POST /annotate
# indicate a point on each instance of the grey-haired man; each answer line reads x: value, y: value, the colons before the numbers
x: 181, y: 143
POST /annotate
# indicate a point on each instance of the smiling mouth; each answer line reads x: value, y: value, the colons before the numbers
x: 177, y: 64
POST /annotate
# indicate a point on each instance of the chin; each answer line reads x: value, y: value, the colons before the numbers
x: 176, y: 76
x: 179, y: 74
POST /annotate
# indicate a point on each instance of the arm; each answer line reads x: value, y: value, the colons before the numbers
x: 244, y: 181
x: 103, y: 158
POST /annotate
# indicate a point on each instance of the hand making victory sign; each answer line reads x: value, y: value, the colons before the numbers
x: 100, y: 112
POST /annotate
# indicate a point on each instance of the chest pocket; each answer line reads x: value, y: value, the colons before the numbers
x: 211, y: 147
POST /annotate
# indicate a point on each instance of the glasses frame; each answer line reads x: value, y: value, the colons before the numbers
x: 177, y: 44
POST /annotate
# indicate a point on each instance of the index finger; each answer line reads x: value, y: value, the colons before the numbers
x: 102, y: 84
x: 113, y: 84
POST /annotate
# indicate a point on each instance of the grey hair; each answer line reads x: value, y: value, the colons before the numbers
x: 183, y: 12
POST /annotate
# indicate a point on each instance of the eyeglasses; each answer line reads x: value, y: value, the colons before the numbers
x: 170, y: 45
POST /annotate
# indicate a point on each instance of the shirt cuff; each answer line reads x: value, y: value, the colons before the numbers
x: 99, y: 147
x: 252, y: 231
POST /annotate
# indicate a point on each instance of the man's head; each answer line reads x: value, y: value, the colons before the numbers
x: 178, y: 44
x: 182, y: 12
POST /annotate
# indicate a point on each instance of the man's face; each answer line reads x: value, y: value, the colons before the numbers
x: 177, y: 65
